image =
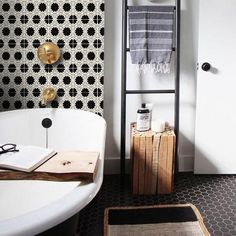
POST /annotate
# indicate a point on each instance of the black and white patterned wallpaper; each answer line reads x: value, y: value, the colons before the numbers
x: 77, y: 27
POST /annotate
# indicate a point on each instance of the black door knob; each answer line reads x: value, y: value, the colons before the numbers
x: 206, y: 66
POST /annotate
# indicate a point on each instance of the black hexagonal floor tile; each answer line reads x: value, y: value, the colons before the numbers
x: 213, y: 195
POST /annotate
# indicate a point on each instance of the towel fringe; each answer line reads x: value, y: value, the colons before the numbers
x: 163, y: 68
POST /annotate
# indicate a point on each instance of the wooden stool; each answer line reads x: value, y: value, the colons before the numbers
x: 152, y: 161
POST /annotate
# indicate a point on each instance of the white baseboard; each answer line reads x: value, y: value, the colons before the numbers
x: 112, y: 164
x: 186, y: 163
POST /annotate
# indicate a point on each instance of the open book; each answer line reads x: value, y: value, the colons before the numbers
x: 26, y: 159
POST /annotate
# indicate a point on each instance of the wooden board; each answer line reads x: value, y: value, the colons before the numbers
x: 155, y: 153
x: 131, y: 167
x: 141, y: 164
x: 64, y: 166
x: 148, y: 164
x: 169, y: 163
x: 136, y: 165
x: 162, y: 164
x: 166, y: 163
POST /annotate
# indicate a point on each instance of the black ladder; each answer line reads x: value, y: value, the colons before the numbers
x: 124, y: 91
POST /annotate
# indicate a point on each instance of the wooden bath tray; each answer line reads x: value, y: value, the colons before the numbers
x: 64, y: 166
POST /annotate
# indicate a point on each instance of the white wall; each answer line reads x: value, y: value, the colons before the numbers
x: 163, y: 104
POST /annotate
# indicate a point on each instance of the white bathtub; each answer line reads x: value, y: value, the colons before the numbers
x: 30, y: 207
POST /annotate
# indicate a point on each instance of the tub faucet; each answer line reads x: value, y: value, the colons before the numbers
x: 49, y: 95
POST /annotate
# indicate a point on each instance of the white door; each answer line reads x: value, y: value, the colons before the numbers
x: 215, y: 139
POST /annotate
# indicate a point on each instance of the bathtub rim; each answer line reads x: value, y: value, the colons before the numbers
x: 44, y: 218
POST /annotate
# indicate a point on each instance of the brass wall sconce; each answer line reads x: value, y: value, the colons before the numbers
x: 48, y: 53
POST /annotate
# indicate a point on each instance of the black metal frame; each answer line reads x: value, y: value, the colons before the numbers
x: 124, y: 91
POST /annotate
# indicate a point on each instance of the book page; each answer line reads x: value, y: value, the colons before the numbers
x: 26, y: 159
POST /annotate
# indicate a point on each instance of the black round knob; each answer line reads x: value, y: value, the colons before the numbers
x: 46, y: 123
x: 206, y: 66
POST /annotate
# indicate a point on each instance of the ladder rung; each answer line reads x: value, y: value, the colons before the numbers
x: 128, y: 49
x: 149, y: 91
x: 128, y: 7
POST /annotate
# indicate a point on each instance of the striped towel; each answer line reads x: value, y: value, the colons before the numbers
x: 151, y: 37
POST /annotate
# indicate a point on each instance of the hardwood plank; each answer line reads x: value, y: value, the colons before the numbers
x: 148, y: 165
x: 169, y: 163
x: 155, y: 153
x: 163, y: 154
x: 141, y: 165
x: 136, y: 164
x: 132, y: 131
